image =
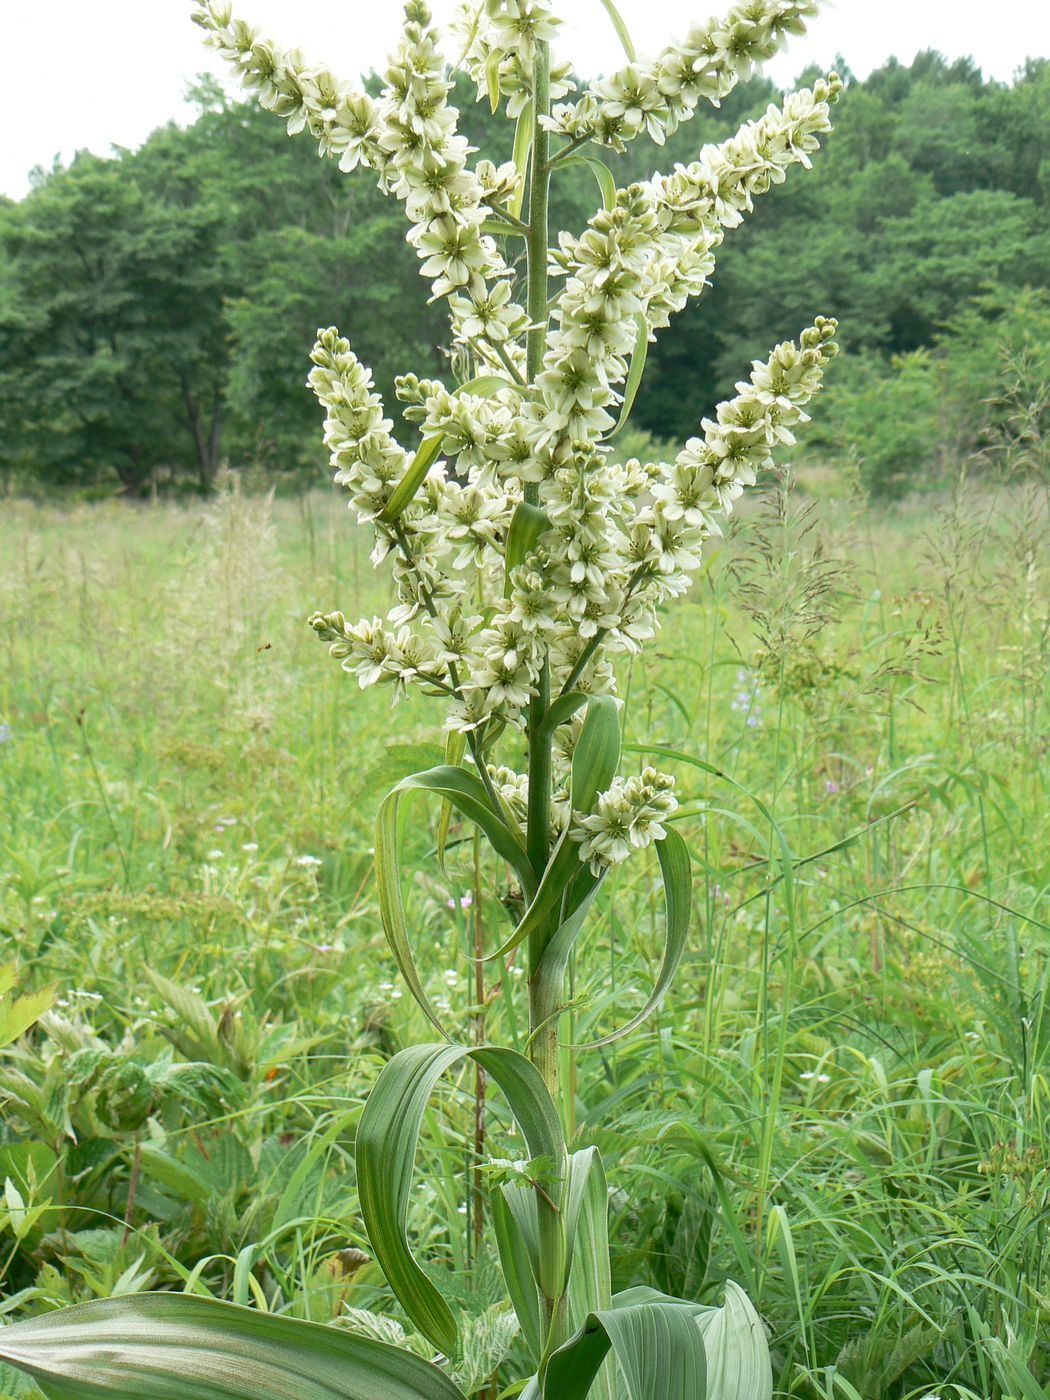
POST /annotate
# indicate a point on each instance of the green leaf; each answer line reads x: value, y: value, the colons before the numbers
x: 425, y: 456
x: 386, y: 1153
x: 634, y: 374
x: 527, y: 525
x: 174, y: 1346
x: 560, y: 712
x: 596, y: 756
x: 519, y: 1273
x: 18, y: 1014
x: 678, y: 900
x: 497, y: 228
x: 621, y: 29
x: 523, y: 134
x: 492, y: 64
x: 484, y: 385
x: 738, y: 1366
x: 455, y: 748
x: 590, y: 1284
x: 465, y: 791
x: 602, y: 174
x: 656, y: 1343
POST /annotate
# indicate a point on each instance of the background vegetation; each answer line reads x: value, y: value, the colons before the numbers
x: 157, y: 309
x: 854, y: 1069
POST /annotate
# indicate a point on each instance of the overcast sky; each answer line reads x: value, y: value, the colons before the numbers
x: 93, y: 75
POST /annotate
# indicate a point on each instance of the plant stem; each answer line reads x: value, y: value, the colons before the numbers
x: 479, y: 1039
x: 539, y: 192
x: 545, y: 988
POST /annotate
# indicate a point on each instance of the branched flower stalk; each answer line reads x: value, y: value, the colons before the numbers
x: 525, y: 561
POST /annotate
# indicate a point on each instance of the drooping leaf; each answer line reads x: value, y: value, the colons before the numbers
x: 656, y: 1343
x: 602, y: 174
x: 386, y: 1152
x: 634, y: 374
x: 621, y: 29
x: 176, y: 1346
x: 523, y: 134
x: 678, y: 898
x: 465, y: 791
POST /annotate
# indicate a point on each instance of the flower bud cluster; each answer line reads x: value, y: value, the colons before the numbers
x: 656, y: 95
x: 629, y: 816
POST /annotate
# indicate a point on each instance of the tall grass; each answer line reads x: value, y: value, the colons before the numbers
x: 852, y: 1071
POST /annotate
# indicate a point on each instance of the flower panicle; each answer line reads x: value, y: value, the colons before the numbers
x: 655, y: 96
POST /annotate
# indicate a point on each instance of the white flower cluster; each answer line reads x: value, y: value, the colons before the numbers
x: 628, y: 817
x: 656, y: 95
x: 408, y: 136
x: 479, y: 620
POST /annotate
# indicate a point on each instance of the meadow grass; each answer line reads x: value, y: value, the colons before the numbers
x: 844, y: 1102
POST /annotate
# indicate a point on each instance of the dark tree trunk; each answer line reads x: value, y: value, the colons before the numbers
x: 205, y: 443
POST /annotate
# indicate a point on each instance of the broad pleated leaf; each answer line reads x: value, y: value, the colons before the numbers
x: 656, y: 1343
x: 386, y: 1154
x: 738, y: 1366
x: 519, y: 1270
x: 678, y: 899
x: 174, y: 1346
x: 464, y: 790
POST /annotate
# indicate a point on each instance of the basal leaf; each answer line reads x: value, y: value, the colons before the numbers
x: 387, y: 1137
x: 738, y: 1366
x: 656, y: 1343
x: 175, y: 1346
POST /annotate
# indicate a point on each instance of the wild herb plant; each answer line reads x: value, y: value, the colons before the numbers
x: 525, y: 562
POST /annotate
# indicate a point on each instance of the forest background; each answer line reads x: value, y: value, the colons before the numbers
x: 157, y: 307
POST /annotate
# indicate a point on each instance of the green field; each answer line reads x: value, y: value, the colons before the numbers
x: 845, y: 1103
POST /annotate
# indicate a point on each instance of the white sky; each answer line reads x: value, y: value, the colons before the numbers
x: 82, y: 74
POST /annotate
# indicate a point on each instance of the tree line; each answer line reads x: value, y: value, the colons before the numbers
x: 157, y: 307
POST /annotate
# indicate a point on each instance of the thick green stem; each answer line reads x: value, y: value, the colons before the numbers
x: 544, y: 997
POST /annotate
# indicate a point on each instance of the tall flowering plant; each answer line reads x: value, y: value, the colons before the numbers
x: 525, y: 561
